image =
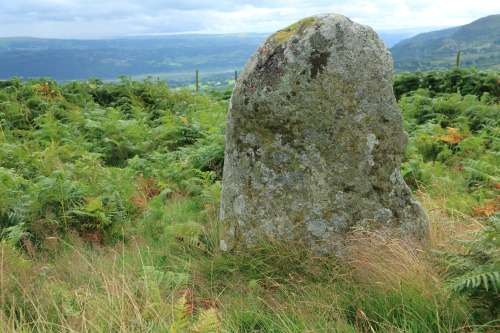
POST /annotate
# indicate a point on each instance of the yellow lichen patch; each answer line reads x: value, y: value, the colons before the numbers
x: 283, y: 35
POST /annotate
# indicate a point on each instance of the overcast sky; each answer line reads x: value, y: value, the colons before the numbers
x: 88, y: 19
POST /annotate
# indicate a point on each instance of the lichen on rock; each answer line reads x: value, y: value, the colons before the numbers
x: 315, y: 140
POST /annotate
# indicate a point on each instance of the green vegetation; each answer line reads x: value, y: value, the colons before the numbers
x: 478, y: 43
x: 464, y: 81
x: 453, y: 156
x: 109, y: 200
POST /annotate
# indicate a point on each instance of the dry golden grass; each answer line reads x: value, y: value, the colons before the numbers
x: 386, y: 284
x: 82, y: 290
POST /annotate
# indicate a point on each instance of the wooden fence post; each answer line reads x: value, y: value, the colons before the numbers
x: 196, y: 80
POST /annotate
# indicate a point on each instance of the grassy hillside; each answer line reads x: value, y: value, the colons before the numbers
x: 478, y: 42
x: 109, y: 201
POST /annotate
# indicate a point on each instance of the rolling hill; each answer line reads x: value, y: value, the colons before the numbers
x: 162, y: 56
x: 174, y: 58
x: 478, y: 43
x: 169, y: 57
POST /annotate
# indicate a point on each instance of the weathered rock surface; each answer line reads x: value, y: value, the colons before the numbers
x: 315, y: 140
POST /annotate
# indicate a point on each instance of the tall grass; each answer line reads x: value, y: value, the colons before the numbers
x: 386, y: 285
x: 109, y: 201
x: 91, y: 289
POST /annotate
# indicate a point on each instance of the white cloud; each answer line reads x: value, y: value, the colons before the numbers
x: 111, y: 18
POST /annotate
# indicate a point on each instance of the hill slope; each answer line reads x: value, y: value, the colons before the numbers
x: 478, y: 43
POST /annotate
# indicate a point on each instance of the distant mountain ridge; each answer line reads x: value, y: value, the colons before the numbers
x: 478, y: 43
x: 176, y: 57
x: 425, y: 36
x: 171, y: 57
x: 64, y: 59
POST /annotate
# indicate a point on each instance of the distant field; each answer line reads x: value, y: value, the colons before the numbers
x: 213, y: 76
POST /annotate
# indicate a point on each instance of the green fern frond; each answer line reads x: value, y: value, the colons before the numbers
x: 476, y: 271
x: 481, y: 170
x: 208, y: 322
x: 190, y: 233
x: 180, y: 316
x: 455, y: 261
x: 487, y: 277
x: 15, y: 233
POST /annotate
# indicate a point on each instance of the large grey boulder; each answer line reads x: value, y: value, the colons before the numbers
x: 315, y: 140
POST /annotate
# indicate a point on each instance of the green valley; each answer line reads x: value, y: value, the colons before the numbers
x: 174, y: 58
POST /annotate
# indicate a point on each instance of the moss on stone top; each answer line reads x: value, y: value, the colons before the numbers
x: 282, y: 36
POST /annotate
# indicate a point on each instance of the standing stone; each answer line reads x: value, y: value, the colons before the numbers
x: 315, y: 140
